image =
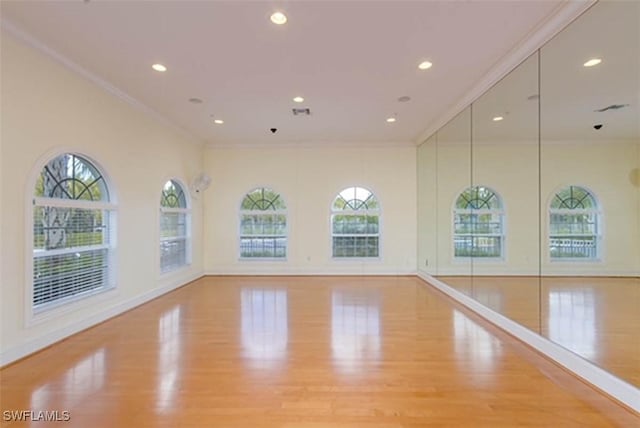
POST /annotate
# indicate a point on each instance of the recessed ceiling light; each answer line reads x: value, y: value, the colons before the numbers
x: 425, y: 65
x: 218, y: 121
x: 278, y: 18
x: 498, y: 118
x: 195, y: 100
x: 159, y: 67
x: 391, y: 119
x: 298, y: 99
x: 592, y: 62
x: 404, y: 99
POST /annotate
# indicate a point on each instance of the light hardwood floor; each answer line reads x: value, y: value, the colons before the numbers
x: 304, y: 352
x: 598, y: 318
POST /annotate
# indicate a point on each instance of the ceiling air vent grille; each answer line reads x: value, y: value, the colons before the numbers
x: 301, y: 111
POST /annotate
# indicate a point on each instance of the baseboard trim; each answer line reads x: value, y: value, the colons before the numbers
x: 620, y: 390
x: 302, y: 272
x: 16, y: 353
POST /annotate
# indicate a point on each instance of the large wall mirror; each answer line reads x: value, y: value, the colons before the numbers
x: 529, y: 200
x: 590, y: 116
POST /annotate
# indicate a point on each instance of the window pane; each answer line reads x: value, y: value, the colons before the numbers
x: 580, y: 247
x: 355, y: 246
x: 478, y: 246
x: 64, y: 275
x: 173, y: 225
x: 173, y: 253
x: 56, y: 228
x: 263, y: 247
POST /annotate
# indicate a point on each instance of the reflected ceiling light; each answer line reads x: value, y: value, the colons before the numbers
x: 391, y: 119
x: 218, y: 121
x: 425, y: 65
x: 298, y: 99
x: 498, y: 118
x: 159, y: 67
x: 592, y: 62
x: 278, y: 18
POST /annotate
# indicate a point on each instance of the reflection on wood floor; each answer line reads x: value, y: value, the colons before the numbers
x: 302, y: 352
x: 597, y: 318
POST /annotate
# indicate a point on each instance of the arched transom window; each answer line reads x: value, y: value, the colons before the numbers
x: 263, y: 225
x: 478, y: 224
x: 573, y: 225
x: 175, y: 225
x: 355, y: 223
x: 73, y: 225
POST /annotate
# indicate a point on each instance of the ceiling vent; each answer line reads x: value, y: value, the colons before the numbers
x: 301, y: 111
x: 612, y: 107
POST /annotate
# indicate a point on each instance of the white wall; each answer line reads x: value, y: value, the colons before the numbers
x: 46, y: 109
x: 309, y: 179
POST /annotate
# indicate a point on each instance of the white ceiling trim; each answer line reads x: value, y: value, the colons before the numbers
x: 74, y: 67
x: 537, y: 37
x: 313, y: 144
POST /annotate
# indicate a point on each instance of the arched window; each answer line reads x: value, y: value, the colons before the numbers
x: 263, y: 225
x: 175, y: 225
x: 355, y: 218
x: 573, y: 225
x: 73, y: 224
x: 478, y: 224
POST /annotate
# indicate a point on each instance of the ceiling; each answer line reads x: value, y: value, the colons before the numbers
x: 350, y: 60
x: 567, y: 94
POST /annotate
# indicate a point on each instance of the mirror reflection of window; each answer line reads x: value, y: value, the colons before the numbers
x: 168, y: 360
x: 355, y: 328
x: 572, y: 320
x: 475, y: 347
x: 264, y: 324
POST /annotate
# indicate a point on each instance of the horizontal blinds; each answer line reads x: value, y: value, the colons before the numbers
x: 174, y: 239
x: 71, y: 250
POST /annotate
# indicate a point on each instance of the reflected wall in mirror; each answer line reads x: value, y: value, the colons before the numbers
x: 453, y: 177
x: 590, y: 195
x: 504, y: 198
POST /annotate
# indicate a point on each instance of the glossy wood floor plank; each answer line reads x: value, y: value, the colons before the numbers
x: 598, y: 318
x: 304, y: 352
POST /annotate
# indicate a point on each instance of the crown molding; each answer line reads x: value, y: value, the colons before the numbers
x: 557, y: 20
x: 314, y: 145
x: 31, y: 41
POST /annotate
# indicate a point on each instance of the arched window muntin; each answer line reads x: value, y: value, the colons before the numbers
x: 263, y: 225
x: 355, y: 224
x: 478, y: 224
x: 574, y: 224
x: 175, y: 227
x: 73, y: 232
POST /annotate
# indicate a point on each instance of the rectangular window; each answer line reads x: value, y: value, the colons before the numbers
x: 573, y: 236
x: 478, y: 235
x: 71, y: 251
x: 355, y: 235
x: 174, y: 239
x: 263, y: 235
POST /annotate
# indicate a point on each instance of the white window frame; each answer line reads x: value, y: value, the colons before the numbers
x: 186, y: 237
x: 351, y: 212
x: 46, y: 310
x: 261, y: 213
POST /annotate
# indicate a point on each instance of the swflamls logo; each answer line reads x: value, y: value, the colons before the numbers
x: 36, y: 415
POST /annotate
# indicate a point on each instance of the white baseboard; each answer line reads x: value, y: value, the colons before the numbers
x: 7, y: 356
x: 308, y: 272
x: 601, y: 379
